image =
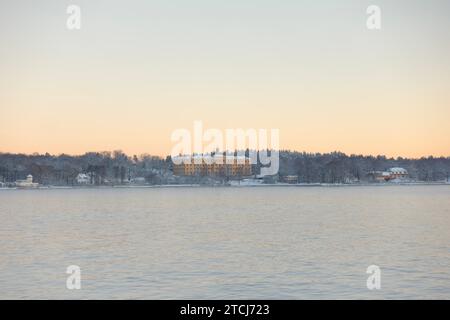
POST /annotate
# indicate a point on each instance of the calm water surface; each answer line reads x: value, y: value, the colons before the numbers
x: 226, y: 243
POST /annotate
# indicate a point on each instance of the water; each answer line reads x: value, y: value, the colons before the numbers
x: 226, y: 243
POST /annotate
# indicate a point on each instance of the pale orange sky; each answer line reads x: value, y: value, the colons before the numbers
x: 134, y: 73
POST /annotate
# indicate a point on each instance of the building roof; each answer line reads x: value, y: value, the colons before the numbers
x: 398, y: 170
x: 188, y: 158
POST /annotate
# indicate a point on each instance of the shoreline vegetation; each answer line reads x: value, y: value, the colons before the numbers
x: 117, y: 169
x: 265, y: 185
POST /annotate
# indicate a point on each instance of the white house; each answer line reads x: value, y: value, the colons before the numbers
x: 398, y: 173
x: 83, y: 178
x: 27, y: 183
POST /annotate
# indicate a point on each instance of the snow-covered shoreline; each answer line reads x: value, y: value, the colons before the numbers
x: 236, y: 185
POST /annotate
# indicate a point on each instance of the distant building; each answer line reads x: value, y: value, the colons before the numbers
x: 391, y: 174
x: 218, y: 166
x: 138, y: 180
x: 27, y: 183
x: 83, y: 178
x: 374, y: 176
x: 270, y: 179
x: 291, y: 179
x: 398, y: 173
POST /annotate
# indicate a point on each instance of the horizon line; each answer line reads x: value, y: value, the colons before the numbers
x: 35, y: 154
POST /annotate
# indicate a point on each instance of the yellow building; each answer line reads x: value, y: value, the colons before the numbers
x: 216, y: 166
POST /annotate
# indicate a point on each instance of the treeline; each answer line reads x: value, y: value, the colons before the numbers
x: 118, y: 168
x: 337, y: 167
x: 102, y: 167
